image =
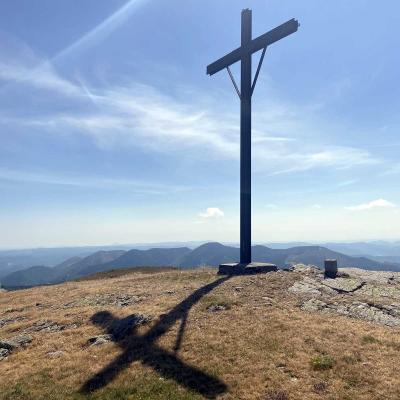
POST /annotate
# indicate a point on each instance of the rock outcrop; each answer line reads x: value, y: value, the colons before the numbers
x: 9, y: 345
x: 356, y: 293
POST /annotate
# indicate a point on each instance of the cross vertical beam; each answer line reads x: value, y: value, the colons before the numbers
x: 245, y: 141
x: 244, y: 54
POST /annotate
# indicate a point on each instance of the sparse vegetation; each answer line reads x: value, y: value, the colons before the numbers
x: 368, y: 339
x: 258, y: 348
x: 322, y: 363
x: 115, y: 273
x: 351, y: 359
x: 215, y: 302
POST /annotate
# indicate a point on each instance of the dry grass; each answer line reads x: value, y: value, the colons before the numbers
x: 115, y: 273
x: 262, y: 346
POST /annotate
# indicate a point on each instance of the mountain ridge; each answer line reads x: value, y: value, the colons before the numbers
x: 209, y: 254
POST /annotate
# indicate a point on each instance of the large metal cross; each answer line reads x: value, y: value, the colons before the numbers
x: 244, y: 55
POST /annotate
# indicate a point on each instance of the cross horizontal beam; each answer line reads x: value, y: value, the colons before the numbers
x: 256, y: 44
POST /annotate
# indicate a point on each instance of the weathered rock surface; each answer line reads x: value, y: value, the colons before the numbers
x: 389, y: 291
x: 105, y: 299
x: 368, y: 295
x: 311, y: 286
x: 385, y: 315
x: 7, y: 346
x: 15, y: 342
x: 376, y: 277
x: 216, y: 307
x: 119, y: 329
x: 49, y: 326
x: 4, y: 353
x: 100, y: 339
x: 10, y: 320
x: 55, y: 354
x: 346, y: 285
x: 307, y: 269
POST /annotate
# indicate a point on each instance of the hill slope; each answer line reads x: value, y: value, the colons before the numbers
x: 68, y: 270
x: 33, y: 276
x: 191, y: 335
x: 139, y: 258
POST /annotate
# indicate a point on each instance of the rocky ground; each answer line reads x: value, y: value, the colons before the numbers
x: 356, y: 293
x: 193, y: 335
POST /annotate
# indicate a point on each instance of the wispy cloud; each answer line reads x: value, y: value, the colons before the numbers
x: 380, y: 203
x: 338, y: 157
x: 136, y: 186
x: 212, y: 213
x: 347, y: 183
x: 104, y: 29
x: 141, y: 115
x: 44, y: 78
x: 394, y: 169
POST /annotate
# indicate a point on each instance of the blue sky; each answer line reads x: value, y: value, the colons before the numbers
x: 111, y: 131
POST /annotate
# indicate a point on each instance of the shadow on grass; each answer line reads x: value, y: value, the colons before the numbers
x: 143, y: 348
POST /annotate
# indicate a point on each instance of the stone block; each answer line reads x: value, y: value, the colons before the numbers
x: 246, y: 269
x: 331, y: 269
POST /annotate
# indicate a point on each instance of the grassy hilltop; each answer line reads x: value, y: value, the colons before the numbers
x: 171, y: 334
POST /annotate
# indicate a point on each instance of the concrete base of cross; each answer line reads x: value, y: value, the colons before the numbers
x: 246, y: 269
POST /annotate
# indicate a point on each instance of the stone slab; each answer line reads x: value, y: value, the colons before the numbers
x: 246, y: 269
x: 346, y: 285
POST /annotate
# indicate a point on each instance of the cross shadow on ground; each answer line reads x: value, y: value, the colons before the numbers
x: 143, y: 348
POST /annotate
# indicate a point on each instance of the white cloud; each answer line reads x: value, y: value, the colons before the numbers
x: 212, y: 213
x: 338, y: 157
x: 141, y: 115
x: 380, y: 203
x: 316, y: 206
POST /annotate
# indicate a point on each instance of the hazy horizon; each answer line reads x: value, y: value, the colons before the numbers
x: 199, y: 243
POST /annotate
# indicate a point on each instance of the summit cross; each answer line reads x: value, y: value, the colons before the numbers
x: 244, y: 55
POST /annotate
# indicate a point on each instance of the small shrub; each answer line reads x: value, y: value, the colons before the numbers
x: 368, y: 339
x: 352, y: 359
x: 352, y: 381
x: 322, y: 363
x: 216, y: 303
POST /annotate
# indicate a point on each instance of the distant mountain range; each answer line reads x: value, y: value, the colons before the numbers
x: 18, y: 259
x: 14, y: 260
x: 209, y: 254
